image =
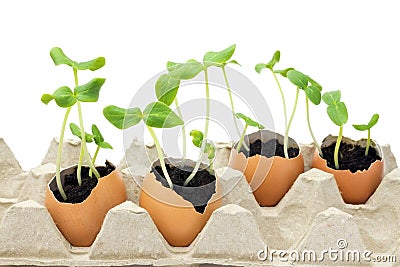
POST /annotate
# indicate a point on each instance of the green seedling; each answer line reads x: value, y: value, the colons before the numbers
x: 167, y: 85
x: 67, y: 98
x: 206, y: 148
x: 220, y: 59
x: 337, y: 112
x: 367, y: 127
x: 248, y: 122
x: 96, y: 136
x: 155, y: 115
x: 312, y: 93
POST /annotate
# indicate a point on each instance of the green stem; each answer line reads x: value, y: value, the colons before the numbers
x: 309, y: 128
x: 160, y: 156
x: 59, y: 153
x: 239, y: 146
x: 231, y: 100
x: 336, y: 153
x: 198, y: 162
x: 83, y: 143
x: 94, y: 159
x: 178, y: 109
x: 78, y: 172
x: 286, y: 138
x: 282, y: 96
x: 368, y: 142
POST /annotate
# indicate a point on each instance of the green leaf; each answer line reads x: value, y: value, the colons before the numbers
x: 185, y: 71
x: 159, y: 115
x: 259, y: 67
x: 374, y: 119
x: 361, y: 127
x: 331, y: 97
x: 59, y: 57
x: 275, y: 59
x: 197, y: 137
x: 314, y: 94
x: 64, y: 97
x: 249, y: 121
x: 166, y: 88
x: 46, y: 98
x: 233, y: 62
x: 97, y: 136
x: 89, y: 92
x: 219, y: 58
x: 122, y: 118
x: 337, y: 112
x: 105, y: 145
x: 92, y: 65
x: 75, y: 130
x: 210, y: 150
x: 283, y: 72
x: 297, y: 78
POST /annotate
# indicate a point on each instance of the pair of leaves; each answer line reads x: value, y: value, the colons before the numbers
x: 59, y: 58
x: 363, y: 127
x: 308, y: 85
x: 156, y: 114
x: 96, y: 135
x: 197, y: 140
x: 64, y: 97
x: 337, y: 110
x: 249, y: 121
x: 271, y: 64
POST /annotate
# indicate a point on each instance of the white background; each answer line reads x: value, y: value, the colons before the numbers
x: 348, y: 45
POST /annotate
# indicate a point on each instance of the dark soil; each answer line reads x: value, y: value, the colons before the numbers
x: 75, y: 193
x: 270, y: 149
x: 199, y: 190
x: 351, y: 157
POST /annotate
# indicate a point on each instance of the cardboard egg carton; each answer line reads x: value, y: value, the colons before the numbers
x: 311, y: 218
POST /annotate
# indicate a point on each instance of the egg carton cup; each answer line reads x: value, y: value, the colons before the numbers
x: 311, y: 217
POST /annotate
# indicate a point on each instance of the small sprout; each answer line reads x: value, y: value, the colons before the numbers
x: 156, y: 114
x: 248, y: 122
x: 65, y: 97
x: 220, y: 58
x: 367, y: 127
x: 337, y: 112
x: 312, y: 92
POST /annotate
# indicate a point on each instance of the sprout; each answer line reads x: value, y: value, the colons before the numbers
x: 367, y: 127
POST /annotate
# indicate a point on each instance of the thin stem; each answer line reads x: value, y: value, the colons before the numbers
x: 94, y: 159
x: 83, y: 143
x: 337, y: 146
x: 78, y: 172
x: 286, y: 138
x: 282, y: 96
x: 239, y: 146
x: 59, y: 153
x: 368, y: 142
x: 178, y: 109
x: 309, y: 128
x: 198, y: 162
x: 160, y: 156
x: 231, y: 100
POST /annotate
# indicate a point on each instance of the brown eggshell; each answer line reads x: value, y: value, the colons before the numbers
x: 175, y: 217
x: 269, y: 178
x: 356, y: 188
x: 80, y: 223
